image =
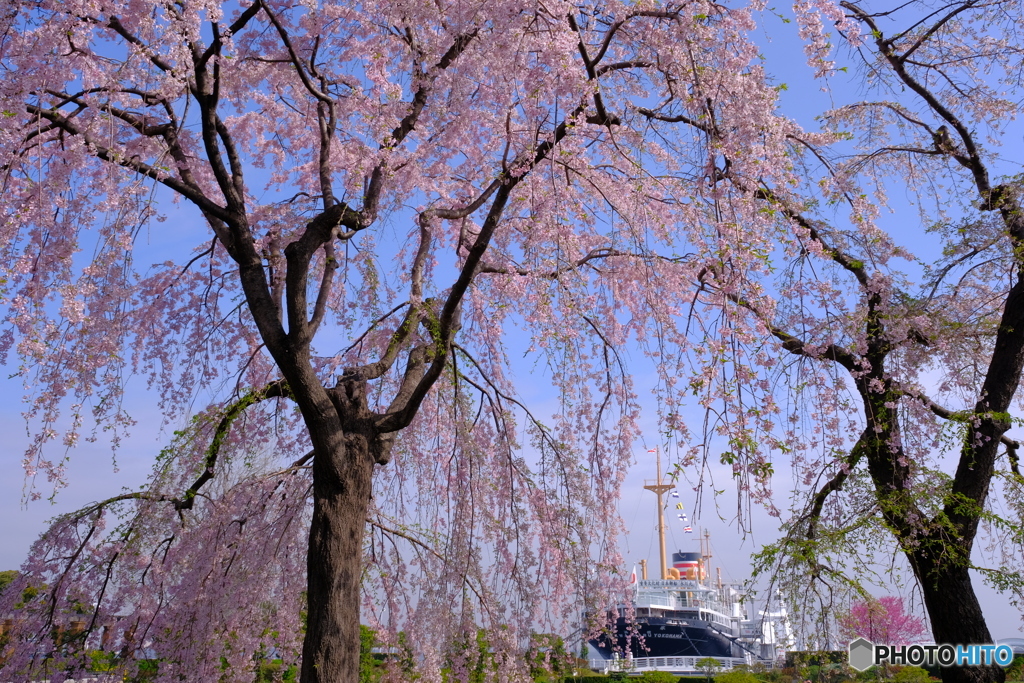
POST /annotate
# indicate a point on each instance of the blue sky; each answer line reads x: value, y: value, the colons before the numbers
x: 92, y: 472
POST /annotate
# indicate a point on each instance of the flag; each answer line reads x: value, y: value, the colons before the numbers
x: 679, y: 506
x: 687, y: 529
x: 652, y: 450
x: 632, y: 577
x: 682, y: 517
x: 675, y: 494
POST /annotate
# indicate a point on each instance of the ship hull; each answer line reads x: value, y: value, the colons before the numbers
x: 663, y: 638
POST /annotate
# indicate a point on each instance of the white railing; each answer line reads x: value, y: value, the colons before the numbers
x: 673, y: 664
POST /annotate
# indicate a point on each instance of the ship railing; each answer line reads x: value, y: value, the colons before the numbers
x: 666, y: 601
x: 673, y: 664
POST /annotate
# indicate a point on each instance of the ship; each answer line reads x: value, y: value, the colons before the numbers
x: 674, y: 621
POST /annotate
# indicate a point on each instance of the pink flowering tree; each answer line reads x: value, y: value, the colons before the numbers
x: 374, y: 195
x: 881, y: 620
x: 395, y: 210
x: 898, y: 325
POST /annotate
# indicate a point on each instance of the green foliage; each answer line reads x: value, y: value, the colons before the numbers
x: 369, y: 667
x: 6, y: 577
x: 869, y: 674
x: 709, y: 666
x: 830, y: 673
x: 1015, y: 672
x: 800, y: 658
x: 148, y: 670
x: 372, y: 665
x: 101, y: 661
x: 549, y: 659
x: 659, y: 677
x: 737, y: 677
x: 911, y: 674
x: 276, y: 672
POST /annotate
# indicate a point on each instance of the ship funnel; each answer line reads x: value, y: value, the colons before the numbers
x: 689, y: 565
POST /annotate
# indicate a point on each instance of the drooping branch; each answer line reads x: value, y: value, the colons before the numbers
x: 957, y: 10
x: 595, y: 254
x: 898, y: 64
x: 443, y: 329
x: 793, y: 344
x: 135, y: 164
x: 326, y: 111
x: 275, y: 389
x: 499, y: 396
x: 813, y: 516
x: 391, y: 531
x: 426, y: 82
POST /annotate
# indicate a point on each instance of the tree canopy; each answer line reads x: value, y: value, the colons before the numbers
x: 396, y: 210
x: 881, y: 620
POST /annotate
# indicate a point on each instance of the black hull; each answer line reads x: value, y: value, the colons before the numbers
x: 658, y: 638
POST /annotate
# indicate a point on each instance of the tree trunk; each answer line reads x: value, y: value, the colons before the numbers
x: 955, y: 613
x: 342, y: 476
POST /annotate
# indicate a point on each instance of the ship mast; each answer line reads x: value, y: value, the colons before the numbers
x: 660, y: 489
x: 705, y: 555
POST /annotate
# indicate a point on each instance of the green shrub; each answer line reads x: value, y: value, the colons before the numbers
x: 737, y: 677
x: 658, y: 677
x: 1015, y: 672
x: 911, y: 674
x: 709, y: 666
x: 147, y: 670
x: 275, y: 670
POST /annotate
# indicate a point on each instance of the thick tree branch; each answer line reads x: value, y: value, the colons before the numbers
x: 299, y: 254
x: 207, y: 95
x: 447, y: 321
x: 963, y: 7
x: 678, y: 118
x: 105, y: 153
x: 595, y: 254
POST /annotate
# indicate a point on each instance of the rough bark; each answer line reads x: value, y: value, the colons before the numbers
x: 341, y: 495
x: 954, y: 611
x: 347, y: 446
x: 939, y: 548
